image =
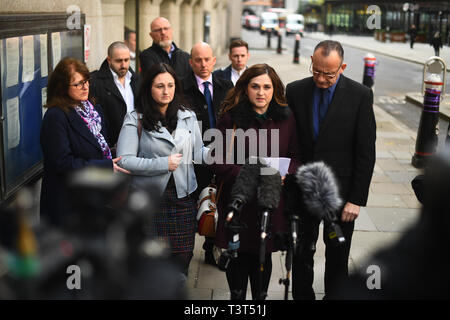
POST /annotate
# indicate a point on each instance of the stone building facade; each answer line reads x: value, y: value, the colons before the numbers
x: 192, y: 20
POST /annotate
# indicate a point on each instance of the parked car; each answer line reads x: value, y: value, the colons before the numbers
x: 295, y: 23
x: 251, y: 22
x: 269, y: 22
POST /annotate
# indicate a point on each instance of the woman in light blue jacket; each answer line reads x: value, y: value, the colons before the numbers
x: 158, y: 143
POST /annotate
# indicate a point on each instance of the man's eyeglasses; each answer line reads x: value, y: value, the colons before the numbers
x: 80, y: 85
x: 329, y: 75
x: 161, y: 29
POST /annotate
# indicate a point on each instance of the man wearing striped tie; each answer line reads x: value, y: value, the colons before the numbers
x: 204, y: 92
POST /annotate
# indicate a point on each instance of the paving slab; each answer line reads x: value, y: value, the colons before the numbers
x: 392, y: 219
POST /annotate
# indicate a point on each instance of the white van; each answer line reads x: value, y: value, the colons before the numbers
x: 295, y: 24
x: 268, y: 22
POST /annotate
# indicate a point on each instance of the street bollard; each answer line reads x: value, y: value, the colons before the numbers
x: 433, y: 91
x: 297, y: 49
x: 269, y: 33
x: 369, y: 70
x: 447, y: 139
x: 279, y: 43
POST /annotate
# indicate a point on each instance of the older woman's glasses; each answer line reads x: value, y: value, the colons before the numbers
x: 80, y: 85
x: 329, y: 75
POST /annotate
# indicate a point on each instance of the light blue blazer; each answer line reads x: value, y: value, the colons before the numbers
x: 148, y: 159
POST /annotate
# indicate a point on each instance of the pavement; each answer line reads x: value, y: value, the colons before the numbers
x: 392, y: 206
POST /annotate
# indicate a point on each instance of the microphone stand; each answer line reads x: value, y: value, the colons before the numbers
x: 290, y: 252
x: 262, y: 252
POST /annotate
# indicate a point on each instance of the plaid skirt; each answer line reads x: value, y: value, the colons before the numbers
x: 175, y: 222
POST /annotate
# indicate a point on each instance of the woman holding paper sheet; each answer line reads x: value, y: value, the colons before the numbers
x: 158, y: 143
x: 256, y: 105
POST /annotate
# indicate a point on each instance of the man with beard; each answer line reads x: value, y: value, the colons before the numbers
x: 164, y: 49
x: 114, y: 87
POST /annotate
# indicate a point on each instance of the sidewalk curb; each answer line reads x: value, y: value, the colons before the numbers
x: 410, y: 97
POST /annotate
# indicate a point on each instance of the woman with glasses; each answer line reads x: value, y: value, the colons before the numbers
x: 72, y: 136
x: 257, y: 107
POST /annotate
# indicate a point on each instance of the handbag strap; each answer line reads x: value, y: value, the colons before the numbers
x: 227, y: 156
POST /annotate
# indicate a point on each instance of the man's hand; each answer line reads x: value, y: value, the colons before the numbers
x: 350, y: 212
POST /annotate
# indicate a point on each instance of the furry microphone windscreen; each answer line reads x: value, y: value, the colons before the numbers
x: 319, y: 189
x: 246, y: 183
x: 269, y: 190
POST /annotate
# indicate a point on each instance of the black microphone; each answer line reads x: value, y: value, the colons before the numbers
x: 244, y: 188
x: 268, y: 198
x: 320, y: 194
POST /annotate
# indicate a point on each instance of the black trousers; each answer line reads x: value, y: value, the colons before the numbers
x: 336, y: 260
x: 246, y: 266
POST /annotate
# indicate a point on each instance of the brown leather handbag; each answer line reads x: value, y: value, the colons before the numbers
x: 207, y: 214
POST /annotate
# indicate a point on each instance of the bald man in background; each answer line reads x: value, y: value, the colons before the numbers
x: 204, y: 92
x: 164, y: 49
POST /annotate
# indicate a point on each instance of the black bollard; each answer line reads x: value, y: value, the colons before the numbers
x: 369, y: 70
x: 297, y: 49
x: 279, y: 43
x: 269, y: 33
x: 427, y: 136
x: 447, y: 139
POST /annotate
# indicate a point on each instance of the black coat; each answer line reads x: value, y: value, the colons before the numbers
x: 280, y: 120
x: 67, y: 145
x: 155, y: 54
x: 109, y: 97
x: 224, y: 73
x: 346, y: 140
x: 197, y: 102
x: 436, y: 42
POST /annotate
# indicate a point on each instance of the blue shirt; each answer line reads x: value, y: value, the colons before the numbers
x: 316, y: 99
x: 172, y: 49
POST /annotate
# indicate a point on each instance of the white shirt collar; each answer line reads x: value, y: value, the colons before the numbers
x: 200, y: 80
x: 116, y: 77
x: 236, y: 74
x: 239, y: 73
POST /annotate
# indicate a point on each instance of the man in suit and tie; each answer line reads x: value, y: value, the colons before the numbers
x: 205, y: 92
x: 238, y: 56
x: 336, y: 125
x: 114, y: 86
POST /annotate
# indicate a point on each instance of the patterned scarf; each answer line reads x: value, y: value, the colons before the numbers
x: 93, y: 121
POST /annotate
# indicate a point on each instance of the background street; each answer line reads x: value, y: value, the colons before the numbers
x: 394, y: 77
